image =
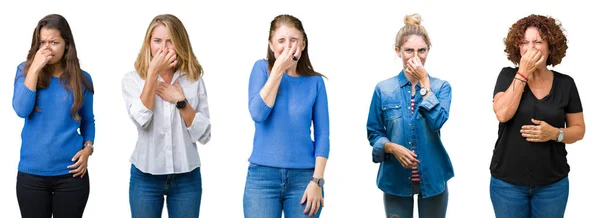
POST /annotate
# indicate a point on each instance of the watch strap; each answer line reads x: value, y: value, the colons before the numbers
x: 89, y: 145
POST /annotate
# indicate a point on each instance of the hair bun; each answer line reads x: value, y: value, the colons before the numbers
x: 414, y: 19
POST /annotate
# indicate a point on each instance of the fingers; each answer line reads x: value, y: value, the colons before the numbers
x: 298, y: 51
x: 418, y: 61
x: 532, y: 132
x: 303, y: 198
x: 76, y: 164
x: 173, y: 64
x: 530, y: 127
x: 409, y: 162
x: 314, y: 207
x: 76, y: 156
x: 79, y: 172
x: 531, y: 135
x: 170, y: 55
x: 159, y: 53
x: 413, y: 154
x: 285, y: 54
x: 307, y: 207
x: 536, y: 122
x: 293, y: 49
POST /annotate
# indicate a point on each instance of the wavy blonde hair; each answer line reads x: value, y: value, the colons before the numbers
x: 186, y: 60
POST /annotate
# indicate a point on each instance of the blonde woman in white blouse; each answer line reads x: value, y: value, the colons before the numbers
x: 166, y: 100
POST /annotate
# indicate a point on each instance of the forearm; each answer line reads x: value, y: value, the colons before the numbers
x: 31, y: 78
x: 269, y: 91
x: 149, y: 91
x: 573, y: 134
x: 320, y: 167
x: 389, y: 147
x: 187, y: 113
x: 506, y: 103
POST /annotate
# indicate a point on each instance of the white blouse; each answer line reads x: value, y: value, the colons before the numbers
x: 165, y: 145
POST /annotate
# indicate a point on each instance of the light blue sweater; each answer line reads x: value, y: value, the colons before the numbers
x: 283, y: 132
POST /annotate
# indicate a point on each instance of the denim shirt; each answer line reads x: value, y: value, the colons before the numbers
x: 391, y: 120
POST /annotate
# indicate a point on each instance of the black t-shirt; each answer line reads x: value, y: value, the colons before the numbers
x: 534, y: 163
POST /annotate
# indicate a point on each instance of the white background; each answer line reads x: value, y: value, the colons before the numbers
x: 352, y: 44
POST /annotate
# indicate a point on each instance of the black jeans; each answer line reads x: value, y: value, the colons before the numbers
x: 46, y: 196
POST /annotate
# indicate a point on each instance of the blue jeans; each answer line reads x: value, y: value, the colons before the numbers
x: 524, y: 201
x: 270, y: 190
x: 147, y: 191
x: 402, y: 207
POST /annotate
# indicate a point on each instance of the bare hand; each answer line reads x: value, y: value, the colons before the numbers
x: 284, y: 61
x: 80, y: 167
x: 416, y: 68
x: 407, y: 158
x: 313, y: 197
x: 540, y: 132
x: 41, y: 58
x: 170, y: 93
x: 530, y: 61
x: 163, y: 60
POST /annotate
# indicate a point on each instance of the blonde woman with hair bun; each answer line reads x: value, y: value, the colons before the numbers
x: 405, y: 117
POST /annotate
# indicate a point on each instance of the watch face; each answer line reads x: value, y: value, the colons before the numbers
x: 423, y: 91
x: 180, y: 104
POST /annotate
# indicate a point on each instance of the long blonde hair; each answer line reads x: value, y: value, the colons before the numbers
x: 412, y: 26
x: 186, y: 60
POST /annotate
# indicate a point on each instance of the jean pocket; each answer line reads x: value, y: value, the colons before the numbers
x: 392, y: 111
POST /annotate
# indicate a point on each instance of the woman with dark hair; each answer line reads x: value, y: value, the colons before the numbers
x: 286, y: 96
x: 55, y: 97
x: 539, y: 112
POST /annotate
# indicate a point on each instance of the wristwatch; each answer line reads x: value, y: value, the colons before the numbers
x: 561, y: 135
x: 181, y: 104
x: 89, y: 144
x: 424, y: 91
x: 319, y: 181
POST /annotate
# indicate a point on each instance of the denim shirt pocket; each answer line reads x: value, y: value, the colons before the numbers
x: 391, y: 111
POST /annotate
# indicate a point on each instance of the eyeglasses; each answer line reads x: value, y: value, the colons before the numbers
x: 411, y: 51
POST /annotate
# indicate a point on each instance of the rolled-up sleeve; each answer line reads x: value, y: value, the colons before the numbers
x: 23, y: 100
x: 375, y: 129
x: 132, y: 87
x: 200, y: 130
x: 259, y: 111
x: 435, y: 108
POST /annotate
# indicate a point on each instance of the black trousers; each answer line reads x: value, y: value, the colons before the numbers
x: 46, y: 196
